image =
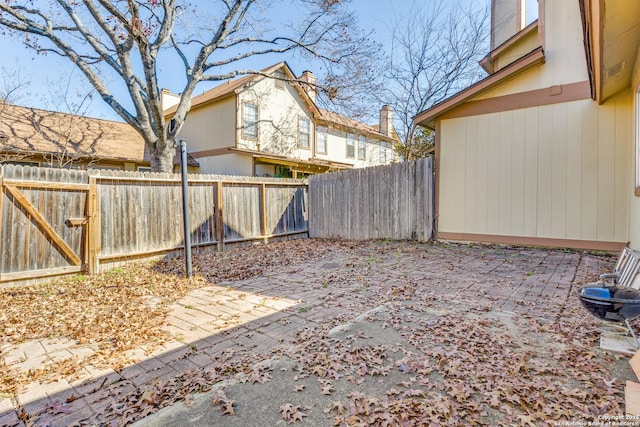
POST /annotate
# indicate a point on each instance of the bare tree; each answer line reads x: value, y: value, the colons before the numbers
x: 435, y: 53
x: 119, y: 43
x: 12, y: 86
x: 61, y: 139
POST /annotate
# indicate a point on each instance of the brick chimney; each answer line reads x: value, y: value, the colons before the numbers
x: 309, y: 77
x: 386, y: 120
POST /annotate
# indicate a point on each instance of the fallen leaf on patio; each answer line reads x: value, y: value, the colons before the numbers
x: 337, y: 407
x: 227, y: 406
x: 291, y: 413
x: 327, y: 389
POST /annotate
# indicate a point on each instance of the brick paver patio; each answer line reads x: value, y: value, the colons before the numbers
x: 264, y: 313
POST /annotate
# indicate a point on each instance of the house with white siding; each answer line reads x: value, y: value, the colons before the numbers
x: 268, y: 124
x: 546, y: 149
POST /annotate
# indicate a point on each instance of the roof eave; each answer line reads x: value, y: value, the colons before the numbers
x: 427, y: 118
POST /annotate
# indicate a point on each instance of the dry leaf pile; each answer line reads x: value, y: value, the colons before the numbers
x: 458, y: 364
x: 467, y: 366
x: 124, y: 308
x: 465, y: 370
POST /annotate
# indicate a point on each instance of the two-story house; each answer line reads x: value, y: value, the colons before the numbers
x: 262, y: 126
x: 545, y: 149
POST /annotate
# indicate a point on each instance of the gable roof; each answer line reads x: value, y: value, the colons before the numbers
x: 35, y: 131
x: 232, y: 87
x: 426, y: 118
x: 340, y: 120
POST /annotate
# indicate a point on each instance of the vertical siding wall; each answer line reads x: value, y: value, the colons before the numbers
x: 393, y: 202
x: 634, y: 226
x: 561, y: 171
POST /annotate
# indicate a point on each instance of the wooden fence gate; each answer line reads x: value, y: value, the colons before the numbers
x: 44, y: 229
x: 59, y: 221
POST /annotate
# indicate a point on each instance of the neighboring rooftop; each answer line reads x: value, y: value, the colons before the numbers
x: 35, y: 131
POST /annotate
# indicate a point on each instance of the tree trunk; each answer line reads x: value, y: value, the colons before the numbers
x: 161, y: 157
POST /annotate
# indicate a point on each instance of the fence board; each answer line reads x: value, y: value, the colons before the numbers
x: 131, y: 214
x: 35, y: 234
x: 392, y: 202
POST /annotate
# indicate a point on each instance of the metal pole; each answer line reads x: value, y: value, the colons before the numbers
x: 185, y: 209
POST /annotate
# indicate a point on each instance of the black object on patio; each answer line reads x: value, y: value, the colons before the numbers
x: 612, y: 303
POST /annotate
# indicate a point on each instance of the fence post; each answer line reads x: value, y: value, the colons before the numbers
x: 263, y: 212
x: 185, y: 209
x: 93, y: 226
x: 219, y: 217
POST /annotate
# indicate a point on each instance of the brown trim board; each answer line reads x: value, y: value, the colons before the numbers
x: 534, y: 98
x: 530, y: 60
x: 208, y: 153
x: 592, y: 245
x: 487, y: 61
x: 541, y: 22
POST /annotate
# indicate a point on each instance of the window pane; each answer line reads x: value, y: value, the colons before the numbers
x: 531, y: 11
x: 362, y: 148
x: 351, y: 146
x: 251, y: 120
x: 304, y: 129
x: 322, y: 140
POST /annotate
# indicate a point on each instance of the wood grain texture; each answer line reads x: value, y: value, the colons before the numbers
x: 383, y: 202
x: 56, y: 221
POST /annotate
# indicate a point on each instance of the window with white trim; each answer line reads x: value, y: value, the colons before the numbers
x: 383, y: 152
x: 250, y: 120
x: 362, y: 148
x: 304, y: 132
x: 351, y: 146
x: 321, y: 140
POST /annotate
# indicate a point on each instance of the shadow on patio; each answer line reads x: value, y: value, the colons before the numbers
x: 302, y: 300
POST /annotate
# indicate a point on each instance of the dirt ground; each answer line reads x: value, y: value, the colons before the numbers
x: 325, y: 333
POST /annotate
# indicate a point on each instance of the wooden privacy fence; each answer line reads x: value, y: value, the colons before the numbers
x: 56, y: 221
x: 382, y: 202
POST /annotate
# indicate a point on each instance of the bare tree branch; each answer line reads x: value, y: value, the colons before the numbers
x: 435, y: 53
x: 119, y: 43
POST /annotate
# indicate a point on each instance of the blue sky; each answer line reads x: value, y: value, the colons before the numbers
x: 47, y: 75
